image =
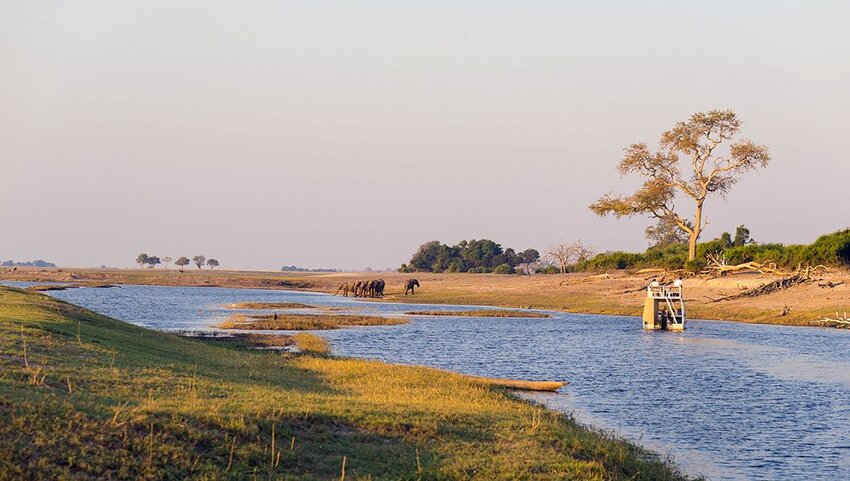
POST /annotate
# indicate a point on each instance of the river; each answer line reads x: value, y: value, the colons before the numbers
x: 727, y: 400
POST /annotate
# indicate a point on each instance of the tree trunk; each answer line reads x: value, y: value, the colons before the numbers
x: 695, y: 232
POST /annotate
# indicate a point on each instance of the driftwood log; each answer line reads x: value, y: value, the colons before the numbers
x: 769, y: 288
x: 841, y: 322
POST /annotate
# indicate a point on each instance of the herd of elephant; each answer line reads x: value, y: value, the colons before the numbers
x: 373, y: 288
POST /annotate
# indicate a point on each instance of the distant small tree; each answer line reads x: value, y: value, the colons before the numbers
x: 142, y: 260
x: 706, y: 171
x: 212, y: 263
x: 165, y: 261
x: 742, y: 236
x: 527, y: 259
x: 183, y: 261
x: 199, y: 261
x: 153, y: 261
x: 565, y: 254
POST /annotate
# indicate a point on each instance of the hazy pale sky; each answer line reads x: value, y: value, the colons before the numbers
x: 345, y: 134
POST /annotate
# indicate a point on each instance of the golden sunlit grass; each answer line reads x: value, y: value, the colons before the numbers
x: 269, y: 305
x: 305, y: 322
x: 83, y: 396
x: 311, y: 343
x: 481, y: 313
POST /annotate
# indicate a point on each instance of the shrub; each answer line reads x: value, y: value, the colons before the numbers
x: 503, y: 269
x: 695, y: 266
x: 830, y: 249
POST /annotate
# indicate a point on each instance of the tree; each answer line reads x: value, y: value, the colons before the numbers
x: 706, y: 171
x: 527, y: 258
x: 212, y: 263
x: 165, y: 261
x: 183, y: 261
x: 425, y: 256
x: 665, y: 233
x: 152, y: 261
x: 565, y: 254
x: 742, y: 236
x: 142, y: 260
x: 199, y: 261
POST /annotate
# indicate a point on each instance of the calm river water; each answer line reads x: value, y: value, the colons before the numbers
x: 726, y: 400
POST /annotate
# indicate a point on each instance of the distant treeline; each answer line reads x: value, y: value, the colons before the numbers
x: 144, y: 260
x: 476, y: 256
x: 304, y: 269
x: 38, y: 263
x: 829, y: 250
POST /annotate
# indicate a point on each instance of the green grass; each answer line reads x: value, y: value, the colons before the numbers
x: 83, y: 396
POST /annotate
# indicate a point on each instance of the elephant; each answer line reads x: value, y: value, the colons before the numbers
x: 411, y: 284
x: 372, y: 290
x: 344, y: 287
x: 375, y: 288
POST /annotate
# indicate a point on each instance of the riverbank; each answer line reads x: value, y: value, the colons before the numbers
x: 86, y: 396
x: 617, y: 293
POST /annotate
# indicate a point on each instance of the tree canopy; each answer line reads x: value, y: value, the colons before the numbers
x: 689, y: 162
x: 476, y: 255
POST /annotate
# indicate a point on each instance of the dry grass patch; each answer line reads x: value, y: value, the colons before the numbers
x: 269, y: 305
x: 305, y: 322
x: 311, y: 343
x: 481, y: 313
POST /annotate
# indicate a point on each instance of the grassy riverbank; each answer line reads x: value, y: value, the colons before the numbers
x: 84, y: 396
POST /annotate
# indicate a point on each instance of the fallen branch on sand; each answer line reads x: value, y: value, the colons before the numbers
x: 769, y: 288
x: 598, y: 277
x: 839, y: 321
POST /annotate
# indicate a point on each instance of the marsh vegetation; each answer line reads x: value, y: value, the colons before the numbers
x: 305, y: 322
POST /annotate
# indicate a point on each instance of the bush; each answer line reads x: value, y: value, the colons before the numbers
x: 503, y: 269
x: 830, y: 249
x: 695, y: 266
x: 611, y: 260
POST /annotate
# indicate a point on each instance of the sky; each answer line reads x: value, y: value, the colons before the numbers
x: 346, y: 134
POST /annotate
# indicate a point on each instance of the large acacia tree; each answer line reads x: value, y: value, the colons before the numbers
x: 692, y: 162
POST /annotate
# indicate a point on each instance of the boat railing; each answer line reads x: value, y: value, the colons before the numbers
x: 664, y: 292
